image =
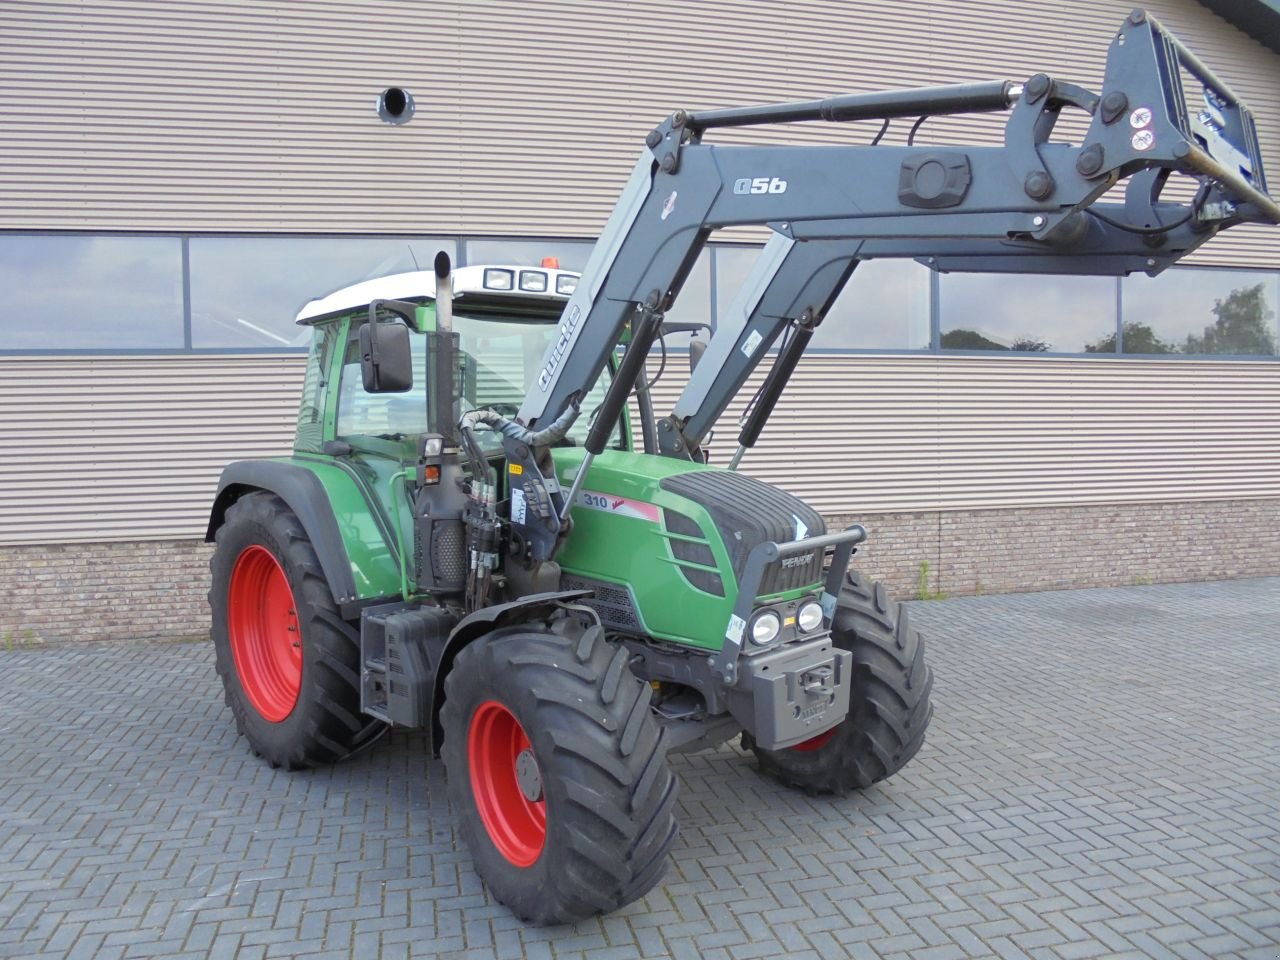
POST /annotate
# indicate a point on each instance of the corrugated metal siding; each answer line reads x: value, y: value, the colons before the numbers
x: 901, y: 434
x: 131, y: 449
x: 250, y: 116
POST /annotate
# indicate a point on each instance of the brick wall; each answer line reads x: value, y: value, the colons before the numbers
x: 99, y: 591
x: 157, y: 588
x: 1055, y: 548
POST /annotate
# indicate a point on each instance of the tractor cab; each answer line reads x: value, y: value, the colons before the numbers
x: 504, y: 317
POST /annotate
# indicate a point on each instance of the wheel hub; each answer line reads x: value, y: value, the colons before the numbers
x: 262, y: 623
x: 507, y: 783
x: 529, y: 776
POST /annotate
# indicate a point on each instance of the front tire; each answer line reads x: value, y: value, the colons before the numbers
x: 557, y: 769
x: 288, y: 661
x: 889, y: 708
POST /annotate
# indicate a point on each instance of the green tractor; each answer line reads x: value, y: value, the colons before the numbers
x: 470, y: 540
x: 346, y: 599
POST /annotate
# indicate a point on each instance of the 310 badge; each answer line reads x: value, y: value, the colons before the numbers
x: 618, y: 506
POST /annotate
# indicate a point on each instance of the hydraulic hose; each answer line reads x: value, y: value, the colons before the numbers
x: 518, y: 431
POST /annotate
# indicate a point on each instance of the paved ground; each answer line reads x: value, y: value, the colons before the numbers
x: 1102, y: 778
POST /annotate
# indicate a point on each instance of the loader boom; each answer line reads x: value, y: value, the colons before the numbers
x: 1030, y: 205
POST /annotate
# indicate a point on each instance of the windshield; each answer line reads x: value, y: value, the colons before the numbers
x: 499, y: 355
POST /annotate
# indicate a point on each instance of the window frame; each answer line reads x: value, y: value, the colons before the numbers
x: 711, y: 304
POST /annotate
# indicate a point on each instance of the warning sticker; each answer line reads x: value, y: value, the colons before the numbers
x: 736, y: 626
x: 751, y: 344
x: 1140, y: 118
x: 517, y: 505
x: 1143, y: 140
x: 618, y: 506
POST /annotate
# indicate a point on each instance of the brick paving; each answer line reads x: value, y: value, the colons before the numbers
x: 1102, y: 779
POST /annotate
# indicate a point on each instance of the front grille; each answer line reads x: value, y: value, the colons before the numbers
x: 691, y: 552
x: 747, y: 512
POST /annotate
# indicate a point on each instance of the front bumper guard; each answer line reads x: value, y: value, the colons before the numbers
x: 724, y: 664
x: 792, y: 693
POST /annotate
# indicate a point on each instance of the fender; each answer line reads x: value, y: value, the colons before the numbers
x: 477, y: 624
x: 305, y: 494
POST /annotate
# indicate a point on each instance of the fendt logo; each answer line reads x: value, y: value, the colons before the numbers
x: 760, y: 185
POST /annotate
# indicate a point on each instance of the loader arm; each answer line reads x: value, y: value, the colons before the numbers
x: 1029, y: 205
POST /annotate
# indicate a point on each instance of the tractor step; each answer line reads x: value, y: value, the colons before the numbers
x: 399, y: 653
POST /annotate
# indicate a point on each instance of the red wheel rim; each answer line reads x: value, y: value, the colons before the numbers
x: 816, y: 743
x: 516, y: 824
x: 266, y: 643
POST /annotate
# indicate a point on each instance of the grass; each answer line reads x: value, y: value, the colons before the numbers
x: 923, y: 590
x: 18, y: 641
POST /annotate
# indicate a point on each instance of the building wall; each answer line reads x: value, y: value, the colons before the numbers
x: 108, y: 449
x: 963, y: 552
x: 244, y: 117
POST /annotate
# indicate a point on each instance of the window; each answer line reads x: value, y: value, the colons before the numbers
x: 884, y: 306
x: 500, y: 354
x: 693, y: 305
x: 246, y: 291
x: 1038, y: 313
x: 530, y: 253
x: 733, y: 266
x: 315, y: 391
x: 1202, y: 311
x: 386, y: 415
x: 91, y: 292
x: 109, y: 293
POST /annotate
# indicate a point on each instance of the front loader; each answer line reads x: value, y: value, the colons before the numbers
x: 468, y: 538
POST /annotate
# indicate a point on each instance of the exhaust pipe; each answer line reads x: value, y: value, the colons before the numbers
x: 444, y: 292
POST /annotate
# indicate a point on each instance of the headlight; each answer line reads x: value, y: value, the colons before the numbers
x: 533, y: 281
x: 809, y: 616
x: 765, y: 628
x: 499, y: 279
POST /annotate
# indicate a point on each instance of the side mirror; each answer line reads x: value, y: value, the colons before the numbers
x: 386, y: 363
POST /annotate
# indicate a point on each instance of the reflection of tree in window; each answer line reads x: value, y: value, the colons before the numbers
x: 973, y: 340
x: 1138, y: 338
x: 1240, y: 327
x: 969, y: 340
x: 1030, y: 345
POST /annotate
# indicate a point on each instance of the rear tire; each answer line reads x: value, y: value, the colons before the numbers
x: 288, y: 661
x: 557, y: 770
x: 889, y: 708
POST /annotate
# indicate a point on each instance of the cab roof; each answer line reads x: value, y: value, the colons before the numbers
x: 418, y: 285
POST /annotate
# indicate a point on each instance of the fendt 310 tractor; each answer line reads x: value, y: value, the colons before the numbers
x: 468, y: 539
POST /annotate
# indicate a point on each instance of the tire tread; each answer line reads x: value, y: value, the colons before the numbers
x: 326, y: 725
x: 604, y: 763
